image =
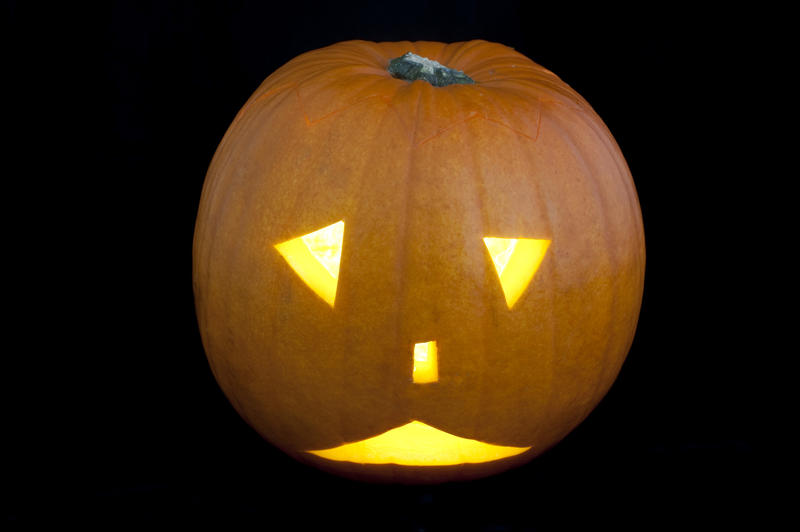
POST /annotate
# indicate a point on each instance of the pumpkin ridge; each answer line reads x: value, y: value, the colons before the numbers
x: 607, y: 250
x: 603, y: 134
x: 551, y: 282
x: 404, y: 239
x: 481, y: 201
x: 217, y: 185
x: 257, y: 98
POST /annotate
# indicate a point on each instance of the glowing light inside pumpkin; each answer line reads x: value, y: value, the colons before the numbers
x: 426, y: 363
x: 316, y: 257
x: 516, y: 261
x: 418, y: 444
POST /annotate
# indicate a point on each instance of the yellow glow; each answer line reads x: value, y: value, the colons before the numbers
x: 516, y: 261
x: 426, y: 363
x: 316, y: 257
x: 418, y: 444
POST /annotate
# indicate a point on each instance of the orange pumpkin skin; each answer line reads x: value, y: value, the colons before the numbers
x: 420, y: 175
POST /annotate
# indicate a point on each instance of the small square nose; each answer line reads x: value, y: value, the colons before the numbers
x: 426, y: 363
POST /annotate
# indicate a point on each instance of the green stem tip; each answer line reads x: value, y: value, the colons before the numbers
x: 412, y: 67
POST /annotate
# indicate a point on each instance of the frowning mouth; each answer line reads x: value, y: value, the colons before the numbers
x: 418, y: 444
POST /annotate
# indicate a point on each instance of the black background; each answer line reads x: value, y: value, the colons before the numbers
x: 113, y: 414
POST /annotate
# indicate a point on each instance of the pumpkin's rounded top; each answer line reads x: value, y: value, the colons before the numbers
x: 481, y: 60
x: 360, y: 68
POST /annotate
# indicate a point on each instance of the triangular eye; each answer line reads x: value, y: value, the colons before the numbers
x: 316, y: 257
x: 516, y: 261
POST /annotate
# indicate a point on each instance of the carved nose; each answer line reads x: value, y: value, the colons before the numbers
x: 426, y: 363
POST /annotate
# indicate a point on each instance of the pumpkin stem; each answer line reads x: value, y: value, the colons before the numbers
x: 412, y: 67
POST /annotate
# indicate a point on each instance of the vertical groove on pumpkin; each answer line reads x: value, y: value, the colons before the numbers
x: 550, y: 285
x: 389, y: 121
x: 293, y: 126
x: 247, y: 121
x: 283, y: 115
x: 595, y: 124
x: 523, y: 145
x: 478, y: 180
x: 408, y: 183
x: 634, y: 211
x: 217, y: 193
x: 356, y: 202
x: 612, y: 150
x: 608, y: 250
x: 602, y: 133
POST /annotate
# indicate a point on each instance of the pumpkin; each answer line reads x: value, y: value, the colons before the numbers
x: 415, y: 261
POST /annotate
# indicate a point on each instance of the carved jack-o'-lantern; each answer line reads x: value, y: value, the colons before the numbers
x: 417, y: 267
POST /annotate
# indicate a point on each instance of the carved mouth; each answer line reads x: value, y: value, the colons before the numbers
x: 418, y: 444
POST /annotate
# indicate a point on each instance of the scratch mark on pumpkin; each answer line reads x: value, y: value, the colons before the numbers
x: 504, y: 124
x: 314, y: 121
x: 492, y: 120
x: 562, y: 104
x: 517, y: 131
x: 449, y: 127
